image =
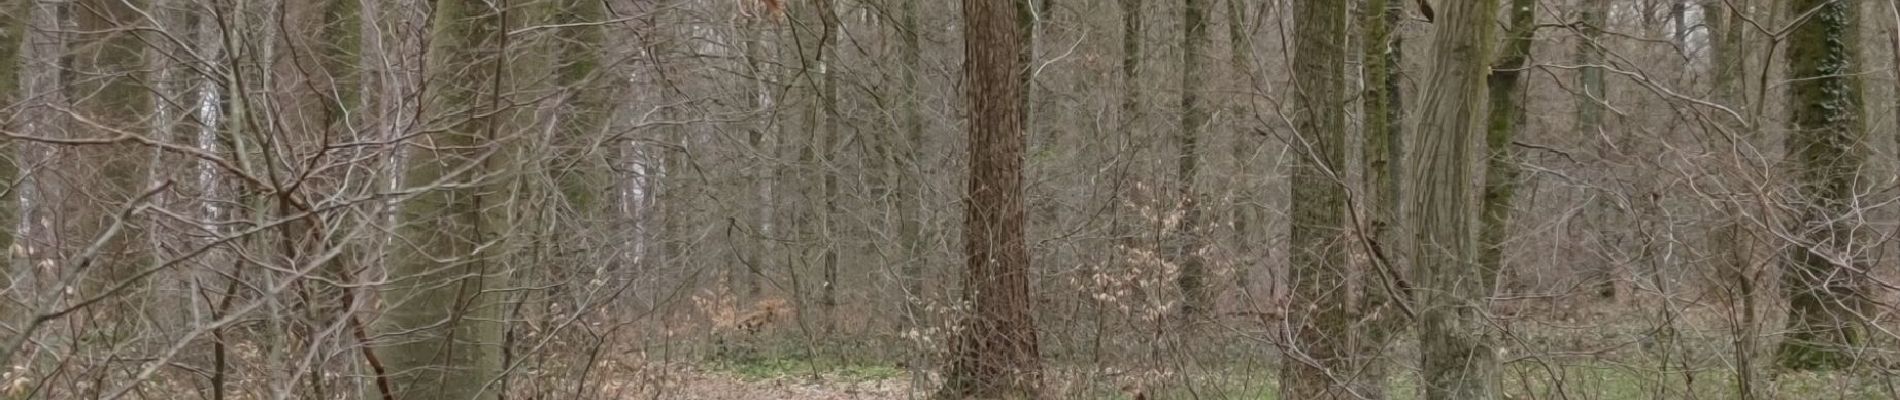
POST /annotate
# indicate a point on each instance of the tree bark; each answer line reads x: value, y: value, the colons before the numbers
x: 1507, y: 115
x: 13, y: 28
x: 1458, y: 352
x: 1823, y: 276
x: 1132, y: 33
x: 909, y: 170
x: 1243, y: 209
x: 581, y: 167
x: 1384, y: 144
x: 1193, y: 277
x: 1319, y: 355
x: 996, y: 356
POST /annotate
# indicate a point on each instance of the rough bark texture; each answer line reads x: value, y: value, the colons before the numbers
x: 1318, y: 356
x: 1193, y: 278
x: 996, y: 356
x: 445, y: 332
x: 1457, y: 350
x: 1821, y: 275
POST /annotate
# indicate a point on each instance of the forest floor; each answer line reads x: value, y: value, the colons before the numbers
x: 1598, y: 352
x: 783, y: 381
x: 718, y: 385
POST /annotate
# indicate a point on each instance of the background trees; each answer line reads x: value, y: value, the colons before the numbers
x: 669, y: 199
x: 454, y: 246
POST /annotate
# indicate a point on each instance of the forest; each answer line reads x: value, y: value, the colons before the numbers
x: 949, y: 200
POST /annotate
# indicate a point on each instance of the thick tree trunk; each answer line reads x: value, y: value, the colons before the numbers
x: 1459, y: 359
x: 1187, y: 241
x: 581, y: 168
x: 447, y: 334
x: 1823, y: 273
x: 1319, y: 355
x: 996, y: 356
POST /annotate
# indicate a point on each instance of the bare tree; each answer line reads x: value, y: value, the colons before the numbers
x: 13, y: 25
x: 452, y: 238
x: 996, y: 355
x: 1502, y: 172
x: 1458, y: 356
x: 1376, y: 323
x: 1825, y: 271
x: 1319, y: 355
x: 1193, y: 276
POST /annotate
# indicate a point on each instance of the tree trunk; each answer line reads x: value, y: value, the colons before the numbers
x: 1678, y: 14
x: 1193, y: 277
x: 996, y: 356
x: 1458, y: 354
x: 581, y: 169
x: 1243, y: 209
x: 909, y: 170
x: 1132, y: 34
x: 1733, y: 240
x: 1507, y: 114
x: 447, y: 333
x: 1319, y: 355
x: 1821, y: 275
x: 1893, y: 6
x: 1030, y: 16
x: 762, y: 139
x: 827, y: 151
x: 13, y: 27
x: 1380, y: 162
x: 1589, y: 108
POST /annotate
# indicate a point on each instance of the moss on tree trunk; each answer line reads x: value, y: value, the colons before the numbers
x: 1822, y: 276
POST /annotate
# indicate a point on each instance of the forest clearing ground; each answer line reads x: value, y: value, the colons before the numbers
x: 1573, y: 350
